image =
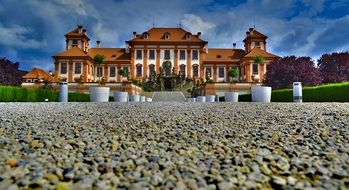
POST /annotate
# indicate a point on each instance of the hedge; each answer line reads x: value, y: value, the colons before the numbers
x: 337, y: 92
x: 19, y: 94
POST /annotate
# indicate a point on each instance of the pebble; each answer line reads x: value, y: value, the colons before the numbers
x: 166, y: 145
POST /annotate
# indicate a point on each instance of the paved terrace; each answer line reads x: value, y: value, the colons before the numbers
x: 174, y: 145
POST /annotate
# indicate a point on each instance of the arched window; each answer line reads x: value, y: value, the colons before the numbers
x: 167, y: 36
x: 182, y: 71
x: 139, y: 70
x: 188, y: 36
x: 195, y: 70
x: 151, y: 70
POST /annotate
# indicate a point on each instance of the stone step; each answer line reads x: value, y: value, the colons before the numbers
x: 168, y: 96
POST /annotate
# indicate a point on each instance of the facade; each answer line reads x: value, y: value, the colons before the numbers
x: 144, y: 55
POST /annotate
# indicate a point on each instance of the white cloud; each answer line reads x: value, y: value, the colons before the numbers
x: 195, y: 24
x: 16, y: 36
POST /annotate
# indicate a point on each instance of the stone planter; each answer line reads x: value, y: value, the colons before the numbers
x: 148, y: 99
x: 120, y: 96
x: 261, y: 94
x: 201, y: 99
x: 142, y: 98
x: 99, y: 94
x: 134, y: 98
x: 231, y: 96
x: 210, y: 98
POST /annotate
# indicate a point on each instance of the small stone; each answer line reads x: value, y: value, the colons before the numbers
x: 63, y: 186
x: 279, y: 180
x: 51, y: 177
x: 12, y: 163
x: 225, y: 185
x: 291, y: 180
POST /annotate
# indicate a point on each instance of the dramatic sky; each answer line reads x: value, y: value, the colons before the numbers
x: 33, y: 30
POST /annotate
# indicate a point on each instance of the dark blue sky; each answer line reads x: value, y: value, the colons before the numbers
x: 33, y: 30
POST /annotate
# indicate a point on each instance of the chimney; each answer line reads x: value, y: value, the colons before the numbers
x: 84, y: 31
x: 247, y: 33
x: 251, y: 30
x: 134, y: 34
x: 234, y: 45
x: 80, y: 29
x: 98, y: 43
x: 199, y: 34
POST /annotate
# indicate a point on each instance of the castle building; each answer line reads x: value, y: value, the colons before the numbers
x: 144, y: 55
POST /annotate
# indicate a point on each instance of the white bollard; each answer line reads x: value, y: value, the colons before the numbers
x: 142, y: 98
x: 134, y: 98
x: 201, y: 99
x: 63, y: 92
x: 297, y: 92
x: 148, y: 99
x: 210, y: 98
x: 120, y: 96
x: 231, y: 96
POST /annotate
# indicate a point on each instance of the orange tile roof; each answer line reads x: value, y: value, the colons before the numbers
x: 224, y: 55
x: 72, y: 52
x: 256, y: 51
x: 255, y: 34
x: 111, y: 54
x: 176, y: 35
x: 37, y: 73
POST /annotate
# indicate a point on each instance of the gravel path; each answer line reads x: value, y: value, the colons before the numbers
x: 174, y: 145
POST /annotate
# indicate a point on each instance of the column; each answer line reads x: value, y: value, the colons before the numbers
x: 70, y: 71
x: 145, y: 63
x: 105, y: 72
x: 85, y: 72
x: 176, y: 60
x: 56, y: 71
x: 248, y: 72
x: 201, y: 56
x: 118, y: 77
x: 157, y: 60
x: 214, y: 73
x: 189, y: 74
x: 261, y: 72
x: 132, y: 67
x: 227, y: 73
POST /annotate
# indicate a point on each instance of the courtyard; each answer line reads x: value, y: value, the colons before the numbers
x: 174, y: 145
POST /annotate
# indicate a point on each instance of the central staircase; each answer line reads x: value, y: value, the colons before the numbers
x: 168, y: 96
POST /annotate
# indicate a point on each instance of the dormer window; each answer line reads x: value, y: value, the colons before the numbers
x: 145, y: 35
x: 188, y: 36
x: 167, y: 36
x: 219, y: 55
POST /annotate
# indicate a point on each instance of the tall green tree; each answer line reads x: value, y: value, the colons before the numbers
x: 99, y: 60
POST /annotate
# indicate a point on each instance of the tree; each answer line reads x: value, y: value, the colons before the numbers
x: 99, y: 60
x: 259, y: 59
x: 282, y: 73
x: 334, y: 67
x: 9, y: 73
x: 233, y: 73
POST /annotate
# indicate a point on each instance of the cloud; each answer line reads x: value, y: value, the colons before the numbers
x: 196, y: 24
x: 16, y: 36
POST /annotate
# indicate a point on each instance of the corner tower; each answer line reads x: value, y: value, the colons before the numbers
x: 255, y: 39
x: 77, y: 38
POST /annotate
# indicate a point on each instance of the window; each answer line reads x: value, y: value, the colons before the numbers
x: 167, y: 36
x: 195, y: 55
x: 151, y: 70
x: 257, y: 43
x: 167, y: 54
x: 112, y: 72
x: 196, y: 71
x: 139, y: 70
x: 63, y: 68
x: 77, y: 68
x: 208, y: 72
x: 221, y: 72
x: 151, y: 54
x: 182, y: 71
x: 188, y: 36
x: 139, y: 54
x: 182, y: 54
x: 255, y: 68
x: 99, y: 71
